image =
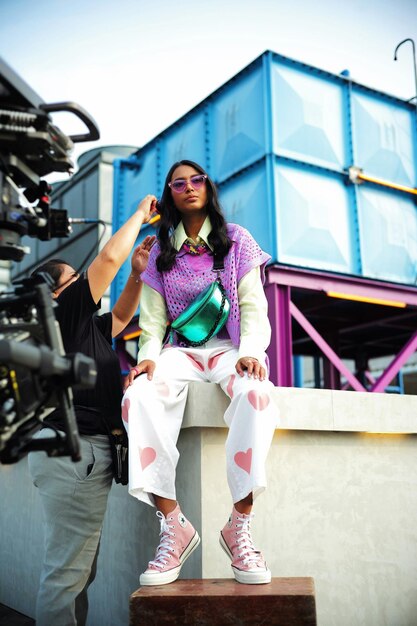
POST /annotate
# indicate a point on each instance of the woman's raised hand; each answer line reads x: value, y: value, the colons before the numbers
x: 146, y: 366
x: 251, y: 366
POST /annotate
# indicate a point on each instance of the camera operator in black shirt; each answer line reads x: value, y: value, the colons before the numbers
x: 74, y: 495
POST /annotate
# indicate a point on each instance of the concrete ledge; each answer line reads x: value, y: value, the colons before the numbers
x: 215, y: 602
x: 340, y: 507
x: 313, y: 409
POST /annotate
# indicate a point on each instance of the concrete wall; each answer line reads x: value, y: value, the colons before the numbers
x: 341, y: 506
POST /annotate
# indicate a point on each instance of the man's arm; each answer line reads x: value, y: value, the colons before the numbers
x: 106, y: 265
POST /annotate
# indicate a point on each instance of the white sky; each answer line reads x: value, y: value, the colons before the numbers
x: 138, y: 65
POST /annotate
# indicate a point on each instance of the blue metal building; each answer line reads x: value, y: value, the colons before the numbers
x: 321, y: 170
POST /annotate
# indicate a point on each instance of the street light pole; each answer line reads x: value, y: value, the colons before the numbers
x: 414, y: 62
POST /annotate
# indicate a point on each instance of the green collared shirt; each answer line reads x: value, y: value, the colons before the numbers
x: 180, y: 236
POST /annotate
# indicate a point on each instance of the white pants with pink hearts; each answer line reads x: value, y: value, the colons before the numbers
x: 153, y: 412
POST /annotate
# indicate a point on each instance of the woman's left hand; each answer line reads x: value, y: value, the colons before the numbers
x: 251, y: 366
x: 140, y: 256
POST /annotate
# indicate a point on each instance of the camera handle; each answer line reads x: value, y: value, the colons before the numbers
x: 78, y: 111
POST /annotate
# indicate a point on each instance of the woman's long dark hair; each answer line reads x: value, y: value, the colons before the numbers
x: 171, y: 217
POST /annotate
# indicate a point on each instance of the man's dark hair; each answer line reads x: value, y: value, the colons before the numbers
x: 53, y: 267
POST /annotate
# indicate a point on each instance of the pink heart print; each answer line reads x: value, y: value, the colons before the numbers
x: 229, y: 388
x: 125, y: 410
x: 259, y: 401
x: 198, y: 364
x: 162, y: 388
x: 244, y: 460
x: 147, y: 456
x: 213, y: 360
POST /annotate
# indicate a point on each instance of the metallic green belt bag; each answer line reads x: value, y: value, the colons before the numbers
x: 205, y: 316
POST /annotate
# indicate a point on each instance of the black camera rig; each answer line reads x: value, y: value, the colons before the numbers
x: 35, y: 373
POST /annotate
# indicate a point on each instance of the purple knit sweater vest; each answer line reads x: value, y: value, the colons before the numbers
x: 191, y: 274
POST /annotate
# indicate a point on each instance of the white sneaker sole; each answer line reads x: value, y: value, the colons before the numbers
x: 254, y: 577
x: 164, y: 578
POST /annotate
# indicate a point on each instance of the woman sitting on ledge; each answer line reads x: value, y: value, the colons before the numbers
x: 192, y: 235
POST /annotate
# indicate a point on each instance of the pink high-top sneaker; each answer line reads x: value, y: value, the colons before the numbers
x: 178, y: 540
x: 248, y: 564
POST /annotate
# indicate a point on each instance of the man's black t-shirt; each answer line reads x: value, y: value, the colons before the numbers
x: 83, y: 331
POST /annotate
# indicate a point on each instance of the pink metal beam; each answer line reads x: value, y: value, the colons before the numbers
x: 280, y: 350
x: 324, y: 282
x: 396, y: 364
x: 331, y: 374
x: 325, y: 348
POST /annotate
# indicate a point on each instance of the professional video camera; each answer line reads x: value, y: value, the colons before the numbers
x: 34, y: 371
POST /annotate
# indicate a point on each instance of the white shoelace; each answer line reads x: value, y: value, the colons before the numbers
x: 165, y: 544
x: 247, y: 551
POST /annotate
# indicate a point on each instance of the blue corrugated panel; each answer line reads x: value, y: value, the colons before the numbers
x: 247, y: 200
x: 382, y: 134
x: 188, y: 136
x: 238, y: 136
x: 314, y: 224
x: 134, y: 178
x: 308, y: 116
x: 388, y: 227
